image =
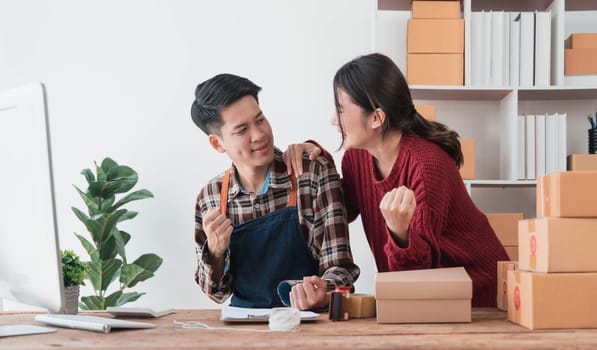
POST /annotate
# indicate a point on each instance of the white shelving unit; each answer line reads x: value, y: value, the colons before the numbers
x: 489, y: 114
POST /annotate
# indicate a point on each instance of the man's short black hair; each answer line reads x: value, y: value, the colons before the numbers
x: 214, y: 94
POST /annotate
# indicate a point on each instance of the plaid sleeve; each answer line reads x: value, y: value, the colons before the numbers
x: 330, y: 226
x: 220, y: 290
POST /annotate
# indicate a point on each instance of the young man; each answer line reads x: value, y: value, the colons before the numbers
x: 254, y: 225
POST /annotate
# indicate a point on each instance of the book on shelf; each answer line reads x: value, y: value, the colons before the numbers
x: 540, y: 145
x: 521, y: 149
x: 527, y: 49
x: 497, y: 48
x: 530, y: 146
x: 542, y: 48
x: 514, y: 48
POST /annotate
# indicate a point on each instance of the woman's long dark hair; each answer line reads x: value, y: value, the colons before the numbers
x: 374, y: 81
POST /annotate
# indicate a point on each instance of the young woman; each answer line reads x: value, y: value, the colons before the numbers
x: 400, y: 173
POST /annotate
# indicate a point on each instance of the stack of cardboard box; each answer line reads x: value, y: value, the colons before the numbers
x: 580, y: 53
x: 582, y: 161
x: 435, y: 44
x: 556, y: 283
x: 505, y: 226
x: 424, y: 296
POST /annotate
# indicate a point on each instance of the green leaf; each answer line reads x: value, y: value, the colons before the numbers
x: 93, y: 253
x: 132, y: 274
x: 112, y: 299
x: 92, y: 302
x: 129, y: 215
x: 121, y: 238
x: 90, y: 202
x: 134, y: 196
x: 150, y: 262
x: 100, y: 173
x: 106, y: 204
x: 128, y: 297
x: 102, y: 272
x: 140, y: 270
x: 92, y: 224
x: 108, y: 249
x: 108, y: 164
x: 100, y: 226
x: 88, y: 175
x: 103, y: 189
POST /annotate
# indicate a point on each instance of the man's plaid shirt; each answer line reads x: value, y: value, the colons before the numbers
x: 322, y: 219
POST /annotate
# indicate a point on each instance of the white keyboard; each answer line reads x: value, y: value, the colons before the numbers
x: 90, y: 323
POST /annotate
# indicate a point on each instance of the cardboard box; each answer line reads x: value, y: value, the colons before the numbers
x: 558, y: 244
x: 552, y: 300
x: 427, y: 111
x: 436, y: 9
x: 505, y: 226
x: 502, y: 282
x: 567, y: 194
x: 582, y: 162
x: 435, y: 36
x: 579, y: 40
x: 580, y: 61
x: 512, y: 251
x: 360, y: 305
x: 467, y: 169
x: 435, y: 69
x: 424, y: 296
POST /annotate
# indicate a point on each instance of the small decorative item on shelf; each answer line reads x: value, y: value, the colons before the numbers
x: 592, y: 134
x: 74, y: 272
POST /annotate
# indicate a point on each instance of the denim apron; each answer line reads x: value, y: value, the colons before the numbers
x: 266, y: 251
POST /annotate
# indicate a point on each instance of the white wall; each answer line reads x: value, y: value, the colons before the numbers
x: 120, y: 77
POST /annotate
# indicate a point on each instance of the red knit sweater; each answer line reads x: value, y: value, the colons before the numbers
x: 447, y: 229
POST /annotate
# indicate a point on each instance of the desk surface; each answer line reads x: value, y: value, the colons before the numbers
x: 488, y: 329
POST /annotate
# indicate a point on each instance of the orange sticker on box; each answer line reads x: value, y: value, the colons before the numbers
x: 517, y: 298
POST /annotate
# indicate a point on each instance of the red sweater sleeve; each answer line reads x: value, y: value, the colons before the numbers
x: 430, y: 183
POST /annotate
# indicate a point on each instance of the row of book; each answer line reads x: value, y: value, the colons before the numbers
x: 510, y: 48
x: 541, y: 145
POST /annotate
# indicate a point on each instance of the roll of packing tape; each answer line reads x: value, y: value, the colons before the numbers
x: 284, y: 319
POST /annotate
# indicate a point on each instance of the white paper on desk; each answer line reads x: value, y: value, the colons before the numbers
x: 232, y: 313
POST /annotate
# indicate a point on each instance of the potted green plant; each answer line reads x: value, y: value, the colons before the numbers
x: 74, y: 272
x: 106, y: 247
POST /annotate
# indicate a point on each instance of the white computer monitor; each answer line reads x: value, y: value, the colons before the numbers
x: 30, y: 270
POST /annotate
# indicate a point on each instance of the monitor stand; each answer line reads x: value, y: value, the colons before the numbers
x: 23, y: 329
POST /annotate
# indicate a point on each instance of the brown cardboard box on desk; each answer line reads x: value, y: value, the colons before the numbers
x: 558, y: 244
x: 424, y: 296
x: 505, y: 226
x: 581, y: 162
x: 552, y: 300
x: 502, y: 282
x: 512, y: 252
x: 567, y: 194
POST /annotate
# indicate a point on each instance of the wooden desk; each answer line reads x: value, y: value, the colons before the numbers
x: 489, y: 329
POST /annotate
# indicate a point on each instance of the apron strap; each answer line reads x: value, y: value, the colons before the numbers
x: 224, y: 192
x: 226, y: 186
